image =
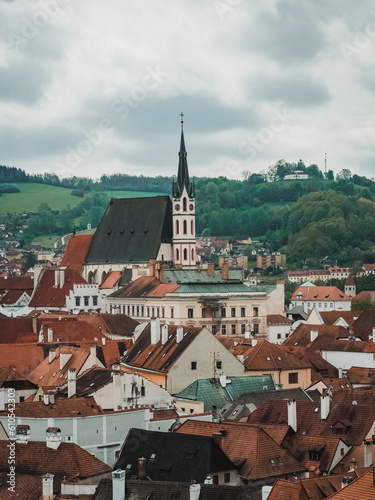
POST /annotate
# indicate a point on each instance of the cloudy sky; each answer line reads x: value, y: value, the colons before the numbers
x: 90, y: 87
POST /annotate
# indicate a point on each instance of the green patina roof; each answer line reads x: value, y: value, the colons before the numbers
x: 213, y: 288
x: 211, y: 392
x: 198, y: 276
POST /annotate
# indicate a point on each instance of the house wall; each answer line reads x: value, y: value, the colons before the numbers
x: 282, y: 377
x: 278, y: 330
x: 323, y: 305
x: 345, y: 359
x: 202, y: 351
x: 88, y: 291
x: 342, y: 450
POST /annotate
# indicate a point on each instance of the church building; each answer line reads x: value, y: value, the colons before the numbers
x: 134, y: 231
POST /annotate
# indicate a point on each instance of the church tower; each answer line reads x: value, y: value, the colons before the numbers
x: 183, y: 200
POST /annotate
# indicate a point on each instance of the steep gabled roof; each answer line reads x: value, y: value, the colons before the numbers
x: 319, y: 293
x: 138, y: 288
x: 256, y: 453
x: 24, y: 283
x: 278, y: 319
x: 326, y: 335
x: 48, y: 295
x: 361, y: 488
x: 132, y: 230
x: 330, y: 317
x: 76, y: 251
x: 24, y: 356
x: 159, y: 357
x: 314, y: 488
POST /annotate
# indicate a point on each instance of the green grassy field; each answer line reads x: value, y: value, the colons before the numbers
x: 31, y: 195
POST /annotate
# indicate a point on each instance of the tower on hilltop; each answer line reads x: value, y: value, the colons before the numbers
x: 183, y: 199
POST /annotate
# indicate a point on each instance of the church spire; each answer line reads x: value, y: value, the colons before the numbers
x: 183, y: 171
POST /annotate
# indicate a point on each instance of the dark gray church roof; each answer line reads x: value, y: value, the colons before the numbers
x: 131, y: 231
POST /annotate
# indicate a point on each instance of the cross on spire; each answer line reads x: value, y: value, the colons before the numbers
x: 182, y: 118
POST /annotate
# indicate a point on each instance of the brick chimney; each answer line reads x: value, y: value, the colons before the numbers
x: 142, y: 473
x: 225, y: 271
x: 211, y: 269
x: 118, y: 484
x: 53, y: 437
x: 72, y: 384
x: 47, y: 487
x: 22, y: 434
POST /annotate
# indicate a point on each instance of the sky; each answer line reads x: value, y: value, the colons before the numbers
x: 90, y: 88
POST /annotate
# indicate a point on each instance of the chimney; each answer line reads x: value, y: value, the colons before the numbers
x: 346, y: 480
x: 72, y: 384
x: 53, y: 437
x: 155, y: 331
x: 103, y: 340
x: 152, y: 267
x: 35, y: 324
x: 225, y: 271
x: 195, y: 491
x: 93, y: 361
x: 224, y: 380
x: 324, y: 406
x: 164, y: 334
x: 3, y: 397
x: 47, y: 487
x: 64, y: 358
x: 22, y: 434
x: 240, y: 358
x: 208, y: 480
x: 57, y: 278
x: 292, y: 414
x: 62, y: 277
x: 49, y: 334
x: 211, y: 269
x: 247, y: 334
x: 51, y: 355
x: 41, y: 336
x: 254, y: 342
x: 373, y: 334
x: 117, y: 389
x: 313, y: 335
x: 118, y: 484
x: 179, y: 334
x: 46, y: 399
x: 142, y: 468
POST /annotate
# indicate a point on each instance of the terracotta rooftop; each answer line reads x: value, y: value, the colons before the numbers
x: 320, y: 367
x: 159, y: 357
x: 360, y: 375
x: 26, y: 357
x: 23, y: 283
x: 250, y: 447
x: 162, y: 289
x: 11, y: 297
x: 362, y: 488
x: 111, y: 280
x: 47, y: 295
x: 330, y: 317
x: 327, y: 334
x: 76, y: 251
x: 138, y: 288
x: 368, y: 267
x: 322, y: 293
x: 14, y: 330
x: 278, y: 319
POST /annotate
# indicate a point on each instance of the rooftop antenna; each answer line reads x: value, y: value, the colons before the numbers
x: 325, y: 163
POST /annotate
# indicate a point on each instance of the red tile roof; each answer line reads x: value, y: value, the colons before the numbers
x: 368, y: 267
x: 111, y: 280
x: 14, y: 330
x: 250, y: 447
x: 314, y: 488
x: 320, y: 367
x: 24, y: 283
x: 138, y: 288
x: 330, y: 317
x: 47, y: 295
x: 159, y: 357
x: 24, y: 356
x: 27, y: 487
x: 278, y: 319
x: 362, y: 488
x: 162, y: 289
x: 327, y: 334
x: 359, y: 375
x: 76, y: 251
x: 11, y: 297
x: 329, y: 293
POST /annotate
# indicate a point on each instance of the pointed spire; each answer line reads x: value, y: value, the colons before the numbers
x: 183, y: 171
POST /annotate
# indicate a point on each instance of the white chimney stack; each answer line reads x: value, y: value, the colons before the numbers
x: 51, y: 355
x: 313, y: 335
x: 195, y: 491
x: 53, y: 437
x: 72, y: 382
x: 22, y: 434
x: 324, y: 406
x: 47, y: 487
x: 93, y: 355
x: 50, y: 335
x: 164, y: 334
x: 266, y: 490
x: 254, y: 342
x: 62, y: 277
x: 247, y: 334
x: 179, y: 334
x: 118, y: 484
x: 373, y: 334
x: 292, y: 414
x: 57, y: 278
x: 155, y: 331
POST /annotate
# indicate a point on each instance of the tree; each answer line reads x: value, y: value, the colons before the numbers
x: 344, y: 175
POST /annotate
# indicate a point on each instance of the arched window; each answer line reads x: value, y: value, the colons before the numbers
x: 192, y: 254
x: 192, y: 227
x: 184, y: 204
x: 91, y: 277
x: 185, y: 254
x: 177, y: 254
x: 177, y: 227
x: 185, y: 227
x: 104, y: 275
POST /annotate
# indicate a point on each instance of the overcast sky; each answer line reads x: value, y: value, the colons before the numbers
x: 90, y: 87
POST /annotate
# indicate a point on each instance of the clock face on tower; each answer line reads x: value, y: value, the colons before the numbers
x: 191, y: 206
x: 177, y: 207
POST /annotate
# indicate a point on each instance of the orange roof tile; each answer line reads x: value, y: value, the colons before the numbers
x: 111, y: 280
x: 278, y: 319
x: 322, y: 293
x: 162, y: 289
x: 138, y: 288
x: 250, y: 447
x: 24, y: 356
x: 361, y: 488
x: 76, y: 251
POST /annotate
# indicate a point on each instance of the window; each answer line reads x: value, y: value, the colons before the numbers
x: 162, y: 312
x: 227, y: 477
x: 193, y: 365
x: 203, y: 313
x: 133, y: 311
x: 177, y: 254
x: 233, y: 328
x: 243, y: 328
x: 242, y: 312
x: 185, y: 227
x: 256, y: 328
x: 177, y: 227
x: 184, y: 204
x: 123, y: 310
x: 172, y: 312
x: 143, y: 391
x: 218, y: 365
x: 255, y: 311
x: 223, y: 329
x: 190, y: 313
x: 192, y: 227
x: 95, y: 300
x: 185, y: 254
x: 293, y: 378
x: 86, y: 301
x: 22, y: 399
x: 142, y: 310
x: 153, y: 311
x: 148, y: 312
x: 78, y: 301
x: 158, y: 312
x: 192, y: 254
x: 223, y: 312
x: 128, y: 310
x: 137, y: 310
x: 215, y: 479
x: 213, y: 329
x: 233, y: 312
